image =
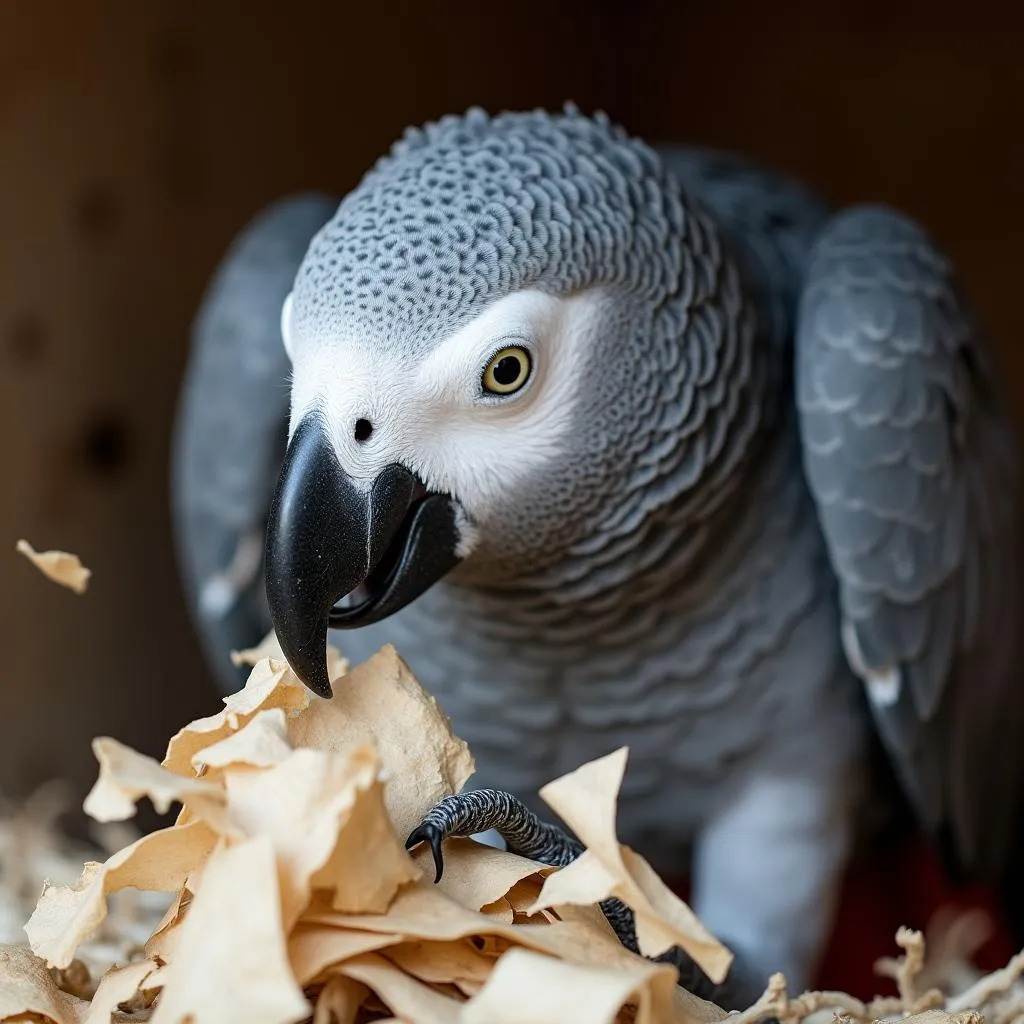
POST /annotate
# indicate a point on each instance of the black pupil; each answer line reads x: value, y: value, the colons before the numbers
x: 508, y: 370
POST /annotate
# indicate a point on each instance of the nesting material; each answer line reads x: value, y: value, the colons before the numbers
x: 289, y: 892
x: 283, y: 892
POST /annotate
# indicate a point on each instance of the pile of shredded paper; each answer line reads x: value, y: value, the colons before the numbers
x: 283, y: 891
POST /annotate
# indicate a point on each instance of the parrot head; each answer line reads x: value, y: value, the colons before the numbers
x: 498, y: 337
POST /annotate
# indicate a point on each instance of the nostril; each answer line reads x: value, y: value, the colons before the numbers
x: 364, y: 428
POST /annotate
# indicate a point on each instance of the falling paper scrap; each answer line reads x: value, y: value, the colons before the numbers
x: 291, y: 894
x: 59, y: 566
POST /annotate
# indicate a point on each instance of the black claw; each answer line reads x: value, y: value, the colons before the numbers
x: 427, y: 833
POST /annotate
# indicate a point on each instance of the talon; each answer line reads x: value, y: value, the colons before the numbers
x: 427, y: 833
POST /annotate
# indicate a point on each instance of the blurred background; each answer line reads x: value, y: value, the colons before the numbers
x: 137, y: 138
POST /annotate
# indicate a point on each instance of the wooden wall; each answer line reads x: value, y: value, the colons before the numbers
x: 136, y: 138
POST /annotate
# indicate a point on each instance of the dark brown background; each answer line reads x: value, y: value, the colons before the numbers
x: 136, y: 138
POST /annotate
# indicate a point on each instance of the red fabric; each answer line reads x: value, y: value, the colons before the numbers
x: 904, y: 886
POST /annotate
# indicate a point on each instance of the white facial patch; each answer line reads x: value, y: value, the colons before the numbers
x: 431, y: 414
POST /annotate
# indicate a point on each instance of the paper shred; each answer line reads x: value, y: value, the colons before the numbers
x: 313, y: 948
x: 301, y: 806
x: 271, y: 684
x: 369, y: 863
x: 160, y: 862
x: 410, y: 999
x: 441, y: 962
x: 118, y: 986
x: 380, y: 702
x: 262, y: 742
x: 340, y: 1001
x: 28, y: 990
x: 126, y: 776
x: 528, y: 988
x: 59, y: 566
x: 270, y: 647
x: 499, y: 910
x: 586, y: 800
x: 231, y: 962
x: 420, y: 912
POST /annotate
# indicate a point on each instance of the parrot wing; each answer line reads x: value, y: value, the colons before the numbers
x: 231, y: 427
x: 910, y: 456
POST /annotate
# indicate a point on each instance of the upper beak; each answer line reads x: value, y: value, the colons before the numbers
x: 327, y: 536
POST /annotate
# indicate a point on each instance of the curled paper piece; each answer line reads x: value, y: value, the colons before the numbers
x: 271, y: 684
x: 239, y: 972
x: 59, y: 566
x: 119, y: 985
x: 323, y: 814
x: 526, y: 986
x: 126, y: 776
x: 261, y: 743
x: 404, y: 995
x: 339, y: 1001
x: 586, y: 801
x: 29, y: 991
x: 381, y: 703
x: 68, y: 914
x: 270, y: 647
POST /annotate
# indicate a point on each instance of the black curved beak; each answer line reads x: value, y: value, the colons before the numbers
x: 328, y: 537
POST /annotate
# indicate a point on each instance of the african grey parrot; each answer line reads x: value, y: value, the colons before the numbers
x: 624, y: 446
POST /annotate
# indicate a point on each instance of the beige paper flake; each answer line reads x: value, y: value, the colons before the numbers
x: 230, y: 961
x: 586, y: 799
x: 301, y: 806
x: 59, y: 566
x: 270, y: 647
x: 271, y: 684
x: 528, y: 988
x: 117, y: 986
x: 441, y: 962
x: 126, y: 776
x: 411, y: 1000
x: 28, y: 990
x: 380, y: 703
x: 339, y: 1001
x: 159, y: 862
x: 262, y: 742
x: 368, y: 864
x: 313, y: 948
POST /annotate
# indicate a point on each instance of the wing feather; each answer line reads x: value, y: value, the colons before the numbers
x: 911, y: 458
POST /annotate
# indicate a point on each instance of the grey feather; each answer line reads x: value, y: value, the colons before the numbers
x: 910, y: 454
x: 231, y: 427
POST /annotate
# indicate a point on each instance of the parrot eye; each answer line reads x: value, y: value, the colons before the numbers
x: 507, y: 371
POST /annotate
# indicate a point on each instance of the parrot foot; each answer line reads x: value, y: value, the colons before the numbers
x: 480, y: 810
x: 526, y: 835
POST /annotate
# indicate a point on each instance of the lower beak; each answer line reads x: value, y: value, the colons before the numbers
x: 328, y: 537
